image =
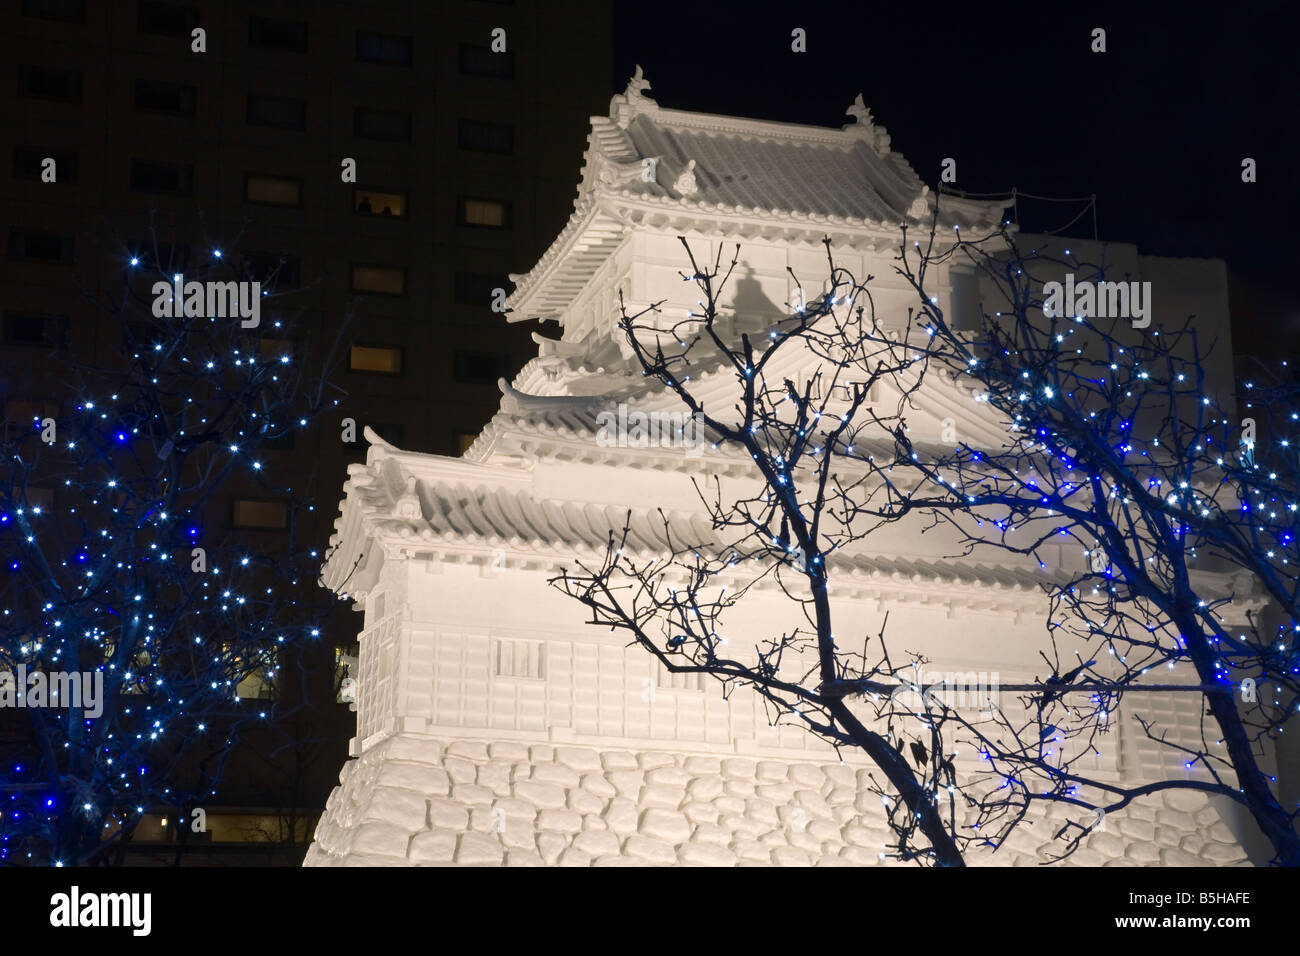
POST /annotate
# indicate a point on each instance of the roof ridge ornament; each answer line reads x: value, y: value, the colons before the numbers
x: 685, y: 183
x: 865, y: 127
x: 921, y: 208
x: 624, y: 107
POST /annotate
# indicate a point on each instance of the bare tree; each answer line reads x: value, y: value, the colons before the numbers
x: 833, y: 461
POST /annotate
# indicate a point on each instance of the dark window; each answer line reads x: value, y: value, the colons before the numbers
x: 49, y: 82
x: 378, y: 280
x: 273, y: 190
x: 486, y: 137
x: 259, y: 514
x: 474, y: 288
x: 287, y: 36
x: 486, y: 213
x: 163, y: 257
x: 277, y: 437
x: 149, y: 176
x: 478, y: 368
x: 389, y: 125
x: 166, y: 19
x: 69, y: 11
x: 29, y: 164
x: 481, y: 61
x: 35, y: 245
x: 274, y: 271
x: 379, y: 202
x: 391, y: 432
x: 155, y: 96
x: 142, y: 335
x: 35, y: 328
x: 279, y: 111
x: 381, y: 48
x: 24, y: 415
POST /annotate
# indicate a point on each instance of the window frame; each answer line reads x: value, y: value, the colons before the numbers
x: 358, y: 111
x: 63, y: 159
x: 410, y: 48
x: 78, y: 76
x: 467, y: 50
x: 186, y: 171
x: 367, y: 344
x: 67, y: 239
x: 508, y: 205
x: 463, y: 122
x: 352, y: 279
x: 250, y: 176
x: 382, y: 190
x: 258, y: 499
x: 248, y: 112
x: 255, y: 43
x: 158, y: 111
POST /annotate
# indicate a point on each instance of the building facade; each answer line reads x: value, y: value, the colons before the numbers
x: 179, y: 131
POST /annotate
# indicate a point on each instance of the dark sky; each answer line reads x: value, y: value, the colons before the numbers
x: 1156, y: 127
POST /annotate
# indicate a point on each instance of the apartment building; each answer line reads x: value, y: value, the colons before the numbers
x: 379, y: 166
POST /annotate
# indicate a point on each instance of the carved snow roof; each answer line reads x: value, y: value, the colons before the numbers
x: 646, y: 165
x: 450, y: 512
x: 405, y: 504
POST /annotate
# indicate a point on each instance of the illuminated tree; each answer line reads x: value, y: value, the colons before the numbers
x: 120, y: 568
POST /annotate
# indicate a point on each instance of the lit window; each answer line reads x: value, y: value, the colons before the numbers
x: 273, y: 190
x: 378, y: 280
x: 260, y: 514
x: 258, y: 672
x: 23, y: 416
x: 378, y: 202
x: 488, y: 213
x: 42, y: 498
x: 275, y: 348
x: 383, y: 360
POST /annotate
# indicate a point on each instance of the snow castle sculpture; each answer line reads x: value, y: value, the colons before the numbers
x: 493, y: 725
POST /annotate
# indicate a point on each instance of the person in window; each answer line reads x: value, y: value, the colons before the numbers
x: 364, y: 206
x: 388, y: 211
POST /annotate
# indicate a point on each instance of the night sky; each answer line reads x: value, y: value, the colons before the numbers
x: 1156, y: 127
